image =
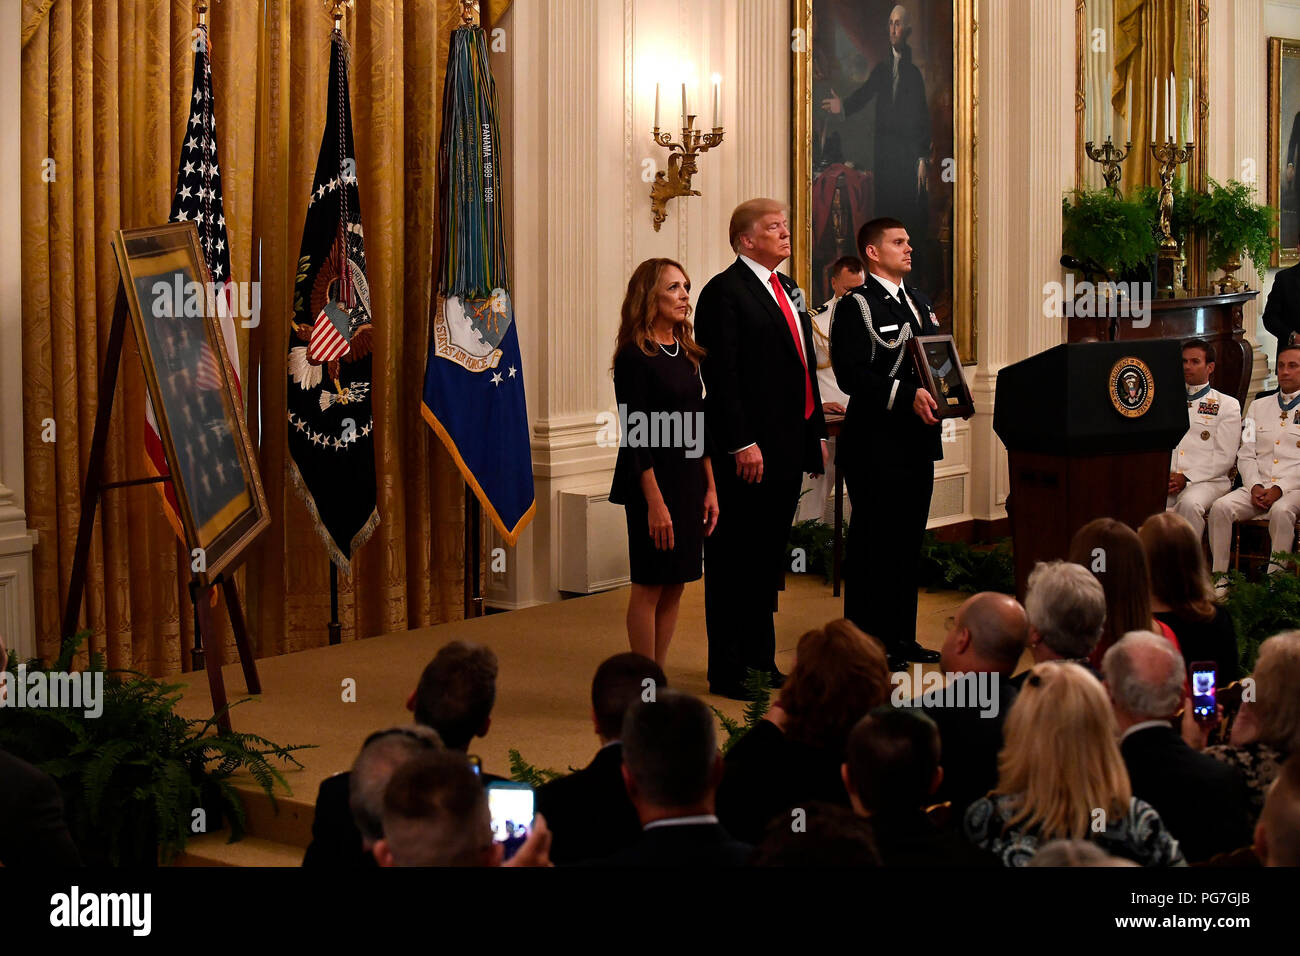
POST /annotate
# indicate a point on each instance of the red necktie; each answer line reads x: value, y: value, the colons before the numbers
x: 798, y: 346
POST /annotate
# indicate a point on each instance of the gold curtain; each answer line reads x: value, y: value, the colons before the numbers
x: 1151, y: 40
x: 105, y: 94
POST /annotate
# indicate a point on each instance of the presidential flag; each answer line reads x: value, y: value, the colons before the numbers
x: 473, y: 378
x: 331, y: 428
x: 198, y: 199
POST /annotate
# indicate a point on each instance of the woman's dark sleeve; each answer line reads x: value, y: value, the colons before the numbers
x: 632, y: 392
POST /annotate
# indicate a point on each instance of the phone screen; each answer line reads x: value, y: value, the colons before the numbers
x: 1203, y: 705
x: 511, y: 807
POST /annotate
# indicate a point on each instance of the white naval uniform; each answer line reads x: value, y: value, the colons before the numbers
x: 1269, y: 456
x: 1205, y: 454
x: 817, y: 497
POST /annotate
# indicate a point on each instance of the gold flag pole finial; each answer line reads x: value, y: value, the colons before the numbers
x: 336, y: 8
x: 469, y: 13
x: 201, y: 7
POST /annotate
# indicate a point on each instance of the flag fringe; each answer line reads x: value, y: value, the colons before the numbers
x: 358, y: 539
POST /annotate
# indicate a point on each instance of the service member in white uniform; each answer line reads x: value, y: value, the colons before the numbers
x: 817, y: 498
x: 1269, y: 462
x: 1198, y: 471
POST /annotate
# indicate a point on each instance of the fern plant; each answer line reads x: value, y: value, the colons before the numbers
x: 758, y: 684
x: 1260, y: 609
x: 133, y: 777
x: 524, y: 772
x: 967, y: 568
x: 1115, y: 233
x: 1235, y: 224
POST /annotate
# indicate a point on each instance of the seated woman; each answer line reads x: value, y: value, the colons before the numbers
x: 1059, y: 768
x: 1112, y: 551
x: 1267, y: 729
x: 1183, y: 597
x: 793, y: 755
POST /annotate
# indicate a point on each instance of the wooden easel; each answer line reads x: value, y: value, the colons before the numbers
x: 199, y: 593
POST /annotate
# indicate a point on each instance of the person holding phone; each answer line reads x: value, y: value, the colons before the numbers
x: 663, y: 476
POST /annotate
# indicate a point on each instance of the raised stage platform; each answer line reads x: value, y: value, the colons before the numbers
x: 547, y: 657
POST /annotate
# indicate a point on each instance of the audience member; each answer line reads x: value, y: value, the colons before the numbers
x: 588, y: 811
x: 985, y: 640
x: 33, y: 832
x: 349, y: 807
x: 436, y: 814
x: 1066, y: 608
x: 820, y: 834
x: 456, y: 693
x: 1075, y: 853
x: 1183, y: 596
x: 892, y: 769
x: 1277, y: 835
x: 1203, y: 802
x: 671, y: 767
x: 792, y: 757
x: 1267, y: 729
x: 1112, y: 551
x: 1060, y: 775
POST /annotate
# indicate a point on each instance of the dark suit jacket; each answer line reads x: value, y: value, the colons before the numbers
x: 1202, y: 801
x: 588, y: 812
x: 753, y: 375
x: 1282, y: 310
x: 685, y: 847
x: 902, y: 127
x: 335, y: 839
x: 32, y: 830
x: 874, y: 429
x: 911, y: 840
x: 969, y: 745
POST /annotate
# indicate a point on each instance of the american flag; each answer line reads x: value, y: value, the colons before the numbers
x: 198, y: 199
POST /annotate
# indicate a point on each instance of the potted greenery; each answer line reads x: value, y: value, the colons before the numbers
x: 133, y: 776
x: 1182, y: 223
x: 1115, y: 233
x: 1235, y: 225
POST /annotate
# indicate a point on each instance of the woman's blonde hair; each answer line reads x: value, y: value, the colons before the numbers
x: 640, y: 309
x: 1059, y: 758
x: 1277, y: 690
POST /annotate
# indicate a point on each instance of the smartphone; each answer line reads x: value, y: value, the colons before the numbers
x: 510, y: 805
x: 476, y: 765
x: 1203, y: 703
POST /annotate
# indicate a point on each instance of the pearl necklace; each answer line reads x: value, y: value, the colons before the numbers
x: 671, y: 354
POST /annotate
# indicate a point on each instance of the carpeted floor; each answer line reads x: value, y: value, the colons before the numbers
x: 547, y: 657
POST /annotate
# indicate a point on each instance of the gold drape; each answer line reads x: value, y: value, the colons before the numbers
x: 1151, y: 40
x: 105, y: 94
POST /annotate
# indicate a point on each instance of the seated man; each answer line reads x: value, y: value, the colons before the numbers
x: 1202, y: 802
x: 1269, y: 463
x: 891, y: 771
x: 671, y: 767
x: 987, y: 636
x: 1066, y: 608
x: 1198, y: 471
x: 456, y: 693
x: 817, y: 500
x: 588, y: 812
x: 1277, y: 835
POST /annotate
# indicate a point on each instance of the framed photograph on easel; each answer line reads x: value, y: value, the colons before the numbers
x: 173, y: 307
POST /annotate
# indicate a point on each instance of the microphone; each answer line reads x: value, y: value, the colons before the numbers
x: 1086, y: 266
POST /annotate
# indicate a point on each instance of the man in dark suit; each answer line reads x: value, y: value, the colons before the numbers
x: 1202, y: 801
x: 891, y: 771
x: 766, y: 428
x: 671, y: 767
x: 902, y: 138
x: 33, y: 834
x: 588, y: 812
x: 888, y: 443
x: 1282, y: 310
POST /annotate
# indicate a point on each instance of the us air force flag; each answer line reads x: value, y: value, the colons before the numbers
x: 331, y: 429
x: 473, y: 380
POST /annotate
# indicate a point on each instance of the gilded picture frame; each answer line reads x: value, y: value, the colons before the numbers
x: 210, y: 457
x: 945, y: 211
x: 1284, y: 102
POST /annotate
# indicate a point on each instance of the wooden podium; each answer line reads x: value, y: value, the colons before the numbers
x: 1076, y: 452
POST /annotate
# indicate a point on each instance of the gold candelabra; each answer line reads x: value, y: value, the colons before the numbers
x: 1169, y: 264
x: 681, y: 164
x: 1109, y: 156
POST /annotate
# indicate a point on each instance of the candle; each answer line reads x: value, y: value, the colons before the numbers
x: 717, y: 89
x: 1191, y: 112
x: 1108, y: 110
x: 1153, y: 109
x: 683, y: 106
x: 1128, y: 108
x: 656, y: 106
x: 1171, y: 107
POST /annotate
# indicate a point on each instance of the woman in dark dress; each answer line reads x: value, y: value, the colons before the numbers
x: 1183, y: 597
x: 663, y: 476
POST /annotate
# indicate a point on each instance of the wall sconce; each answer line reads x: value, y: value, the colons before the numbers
x: 682, y: 156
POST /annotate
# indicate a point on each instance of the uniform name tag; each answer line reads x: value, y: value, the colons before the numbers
x: 888, y: 328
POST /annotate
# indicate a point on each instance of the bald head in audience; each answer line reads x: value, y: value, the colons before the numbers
x: 1277, y: 835
x: 989, y: 634
x: 1144, y: 676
